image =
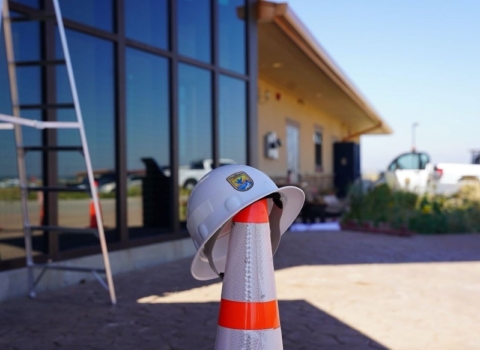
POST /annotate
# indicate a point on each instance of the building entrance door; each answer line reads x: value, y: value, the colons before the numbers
x: 293, y: 153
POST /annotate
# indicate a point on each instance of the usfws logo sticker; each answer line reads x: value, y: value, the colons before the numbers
x: 240, y: 181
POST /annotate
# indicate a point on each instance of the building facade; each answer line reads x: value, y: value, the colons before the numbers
x: 162, y: 85
x: 169, y: 89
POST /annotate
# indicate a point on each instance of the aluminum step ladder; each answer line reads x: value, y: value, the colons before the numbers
x: 15, y: 122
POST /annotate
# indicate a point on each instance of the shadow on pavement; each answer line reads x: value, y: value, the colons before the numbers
x: 336, y: 248
x: 79, y: 316
x: 80, y: 324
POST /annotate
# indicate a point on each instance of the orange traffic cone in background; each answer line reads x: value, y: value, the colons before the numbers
x: 249, y: 317
x: 93, y: 217
x: 40, y: 207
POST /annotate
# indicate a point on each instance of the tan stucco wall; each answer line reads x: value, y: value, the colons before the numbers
x: 274, y: 114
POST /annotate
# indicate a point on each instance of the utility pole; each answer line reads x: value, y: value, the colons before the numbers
x: 414, y: 126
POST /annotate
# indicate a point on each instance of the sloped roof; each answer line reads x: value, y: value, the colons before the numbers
x: 290, y: 56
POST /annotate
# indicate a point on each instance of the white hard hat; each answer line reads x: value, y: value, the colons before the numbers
x: 221, y: 194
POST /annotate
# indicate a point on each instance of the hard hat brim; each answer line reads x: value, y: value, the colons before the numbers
x: 292, y: 198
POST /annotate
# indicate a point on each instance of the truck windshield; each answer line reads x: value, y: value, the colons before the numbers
x: 424, y: 160
x: 197, y: 165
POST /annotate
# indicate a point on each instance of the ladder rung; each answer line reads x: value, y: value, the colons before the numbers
x: 68, y: 268
x: 64, y: 229
x: 32, y: 17
x: 52, y: 148
x: 38, y: 124
x: 6, y: 126
x: 38, y: 63
x: 49, y: 106
x: 56, y: 189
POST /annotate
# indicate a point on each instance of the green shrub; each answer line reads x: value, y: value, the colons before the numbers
x: 13, y: 194
x: 423, y: 214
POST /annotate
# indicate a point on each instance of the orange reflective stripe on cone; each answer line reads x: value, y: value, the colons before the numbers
x: 256, y: 213
x: 249, y: 315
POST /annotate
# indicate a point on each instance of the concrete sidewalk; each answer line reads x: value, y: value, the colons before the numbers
x: 339, y: 290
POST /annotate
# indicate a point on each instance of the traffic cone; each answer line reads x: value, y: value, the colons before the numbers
x: 248, y: 317
x: 93, y: 217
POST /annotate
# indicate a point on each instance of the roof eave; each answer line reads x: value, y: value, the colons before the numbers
x: 284, y: 17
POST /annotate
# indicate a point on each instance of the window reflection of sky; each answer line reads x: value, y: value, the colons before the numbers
x: 232, y: 119
x: 93, y: 66
x: 147, y: 109
x: 26, y: 41
x: 194, y: 28
x: 148, y: 100
x: 147, y: 23
x: 231, y: 35
x: 95, y: 13
x: 195, y: 114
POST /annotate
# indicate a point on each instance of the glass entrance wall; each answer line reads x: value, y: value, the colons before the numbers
x: 27, y: 47
x: 165, y: 90
x: 195, y: 129
x: 232, y: 120
x: 148, y: 143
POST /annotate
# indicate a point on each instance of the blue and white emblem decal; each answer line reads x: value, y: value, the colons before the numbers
x: 240, y: 181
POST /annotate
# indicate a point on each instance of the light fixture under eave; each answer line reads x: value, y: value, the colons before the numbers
x: 277, y: 64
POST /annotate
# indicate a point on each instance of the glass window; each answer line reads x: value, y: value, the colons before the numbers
x: 26, y: 45
x: 231, y: 32
x: 194, y: 29
x: 29, y: 84
x: 148, y: 143
x: 26, y: 40
x: 195, y: 128
x: 95, y: 13
x: 93, y: 66
x: 232, y: 120
x: 29, y: 88
x: 147, y: 22
x: 317, y: 136
x: 408, y: 161
x: 5, y: 103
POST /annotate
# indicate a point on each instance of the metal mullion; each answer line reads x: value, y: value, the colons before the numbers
x: 14, y: 98
x: 194, y: 62
x: 83, y: 28
x: 174, y: 139
x: 49, y: 136
x: 26, y: 10
x: 233, y: 74
x: 120, y: 125
x: 17, y: 7
x: 215, y: 84
x: 252, y: 71
x: 147, y: 48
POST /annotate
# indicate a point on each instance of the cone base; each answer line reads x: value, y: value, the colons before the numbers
x: 232, y: 339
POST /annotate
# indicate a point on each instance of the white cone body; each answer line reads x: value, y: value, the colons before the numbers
x: 249, y: 277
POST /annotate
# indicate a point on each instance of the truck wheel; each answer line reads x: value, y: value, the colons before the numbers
x: 189, y: 184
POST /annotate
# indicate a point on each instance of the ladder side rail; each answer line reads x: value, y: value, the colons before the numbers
x: 22, y: 173
x: 71, y: 78
x: 1, y: 14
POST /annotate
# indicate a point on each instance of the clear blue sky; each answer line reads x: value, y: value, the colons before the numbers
x: 414, y: 61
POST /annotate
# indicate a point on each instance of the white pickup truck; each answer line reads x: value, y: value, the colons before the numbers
x: 189, y: 175
x: 414, y: 172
